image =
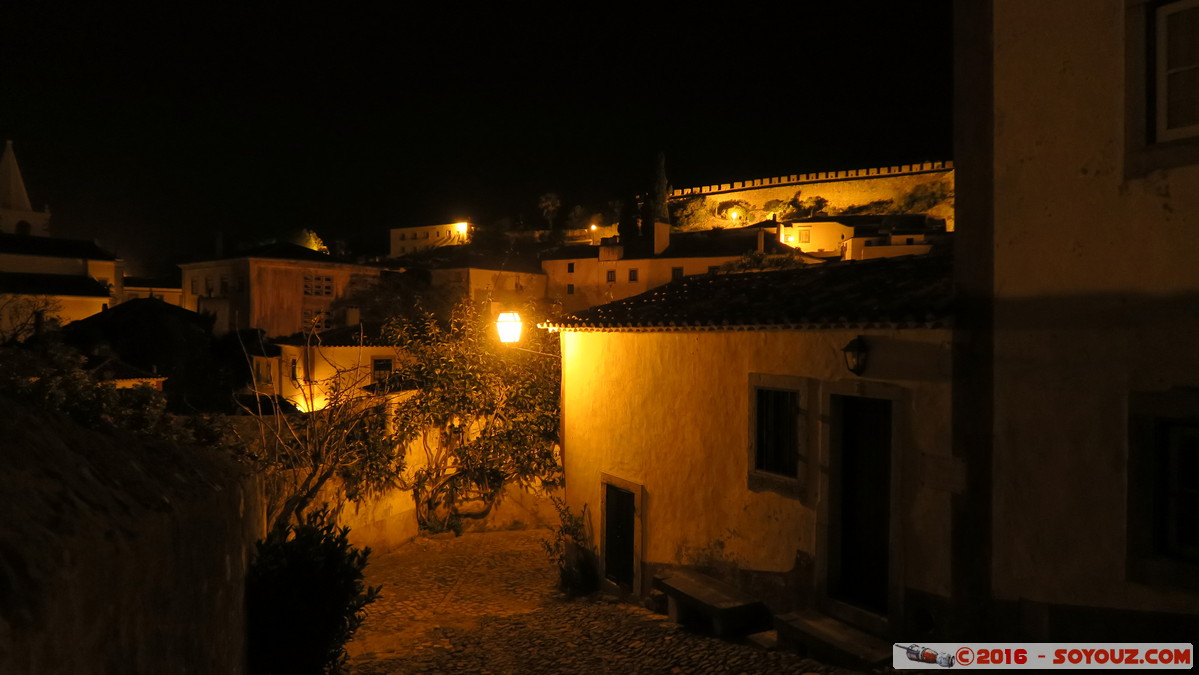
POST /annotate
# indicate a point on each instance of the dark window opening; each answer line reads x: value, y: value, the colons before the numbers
x: 570, y: 289
x: 633, y: 274
x: 611, y: 276
x: 676, y: 273
x: 380, y: 369
x: 777, y: 432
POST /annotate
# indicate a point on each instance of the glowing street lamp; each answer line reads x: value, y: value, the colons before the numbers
x: 855, y: 355
x: 508, y: 325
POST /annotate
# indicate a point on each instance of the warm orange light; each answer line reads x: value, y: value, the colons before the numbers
x: 461, y: 227
x: 594, y: 228
x: 509, y: 326
x: 734, y: 215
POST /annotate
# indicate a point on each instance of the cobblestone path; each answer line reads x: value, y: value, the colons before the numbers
x: 485, y: 603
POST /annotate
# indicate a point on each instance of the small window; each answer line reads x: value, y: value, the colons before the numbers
x: 778, y: 459
x: 805, y: 236
x: 777, y: 432
x: 224, y: 286
x: 676, y: 273
x: 570, y: 268
x: 1176, y: 76
x: 380, y: 369
x: 1163, y: 489
x: 570, y: 289
x: 318, y: 285
x: 611, y: 276
x: 195, y: 286
x: 633, y: 274
x: 315, y: 319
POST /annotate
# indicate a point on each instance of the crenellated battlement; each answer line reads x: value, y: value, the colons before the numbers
x: 819, y: 177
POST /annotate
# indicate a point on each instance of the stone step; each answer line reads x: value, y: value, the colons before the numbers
x: 826, y: 639
x: 767, y: 640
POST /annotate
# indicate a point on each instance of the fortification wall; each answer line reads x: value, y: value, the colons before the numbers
x: 910, y: 188
x: 117, y: 556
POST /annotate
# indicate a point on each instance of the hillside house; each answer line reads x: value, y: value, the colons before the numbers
x: 714, y: 425
x: 416, y: 238
x: 582, y: 276
x: 281, y: 289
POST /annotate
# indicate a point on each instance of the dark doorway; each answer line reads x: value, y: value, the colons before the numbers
x: 619, y: 513
x: 860, y: 500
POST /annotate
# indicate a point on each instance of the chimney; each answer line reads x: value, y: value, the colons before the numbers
x: 661, y: 236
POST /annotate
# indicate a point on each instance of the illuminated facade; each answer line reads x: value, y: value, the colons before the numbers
x: 416, y: 238
x: 581, y: 276
x: 281, y: 289
x: 747, y: 448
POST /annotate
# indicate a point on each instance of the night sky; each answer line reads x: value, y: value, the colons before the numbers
x: 151, y: 132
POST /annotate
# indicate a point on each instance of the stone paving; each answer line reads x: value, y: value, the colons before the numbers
x: 486, y: 603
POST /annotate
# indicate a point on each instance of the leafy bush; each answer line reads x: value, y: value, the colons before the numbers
x: 305, y: 597
x: 571, y: 550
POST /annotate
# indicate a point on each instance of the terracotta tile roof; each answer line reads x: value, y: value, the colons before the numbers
x: 906, y: 291
x: 52, y: 247
x: 51, y: 284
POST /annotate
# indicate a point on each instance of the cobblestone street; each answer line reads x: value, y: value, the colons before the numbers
x: 485, y: 603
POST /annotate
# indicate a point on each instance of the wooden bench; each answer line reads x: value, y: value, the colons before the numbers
x: 699, y: 601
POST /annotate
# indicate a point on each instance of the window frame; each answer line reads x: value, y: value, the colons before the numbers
x: 1144, y: 151
x: 797, y: 486
x: 677, y: 273
x: 633, y: 275
x: 1149, y: 560
x: 376, y: 370
x: 610, y: 276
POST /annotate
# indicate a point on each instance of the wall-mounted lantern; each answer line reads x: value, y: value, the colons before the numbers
x: 856, y: 353
x: 508, y: 325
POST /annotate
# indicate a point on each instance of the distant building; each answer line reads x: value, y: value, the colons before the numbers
x: 482, y: 275
x: 167, y: 290
x: 66, y: 279
x: 416, y: 238
x: 582, y: 276
x: 279, y: 288
x: 17, y: 215
x: 862, y: 237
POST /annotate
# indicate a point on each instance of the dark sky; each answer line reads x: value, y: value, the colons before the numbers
x: 152, y: 131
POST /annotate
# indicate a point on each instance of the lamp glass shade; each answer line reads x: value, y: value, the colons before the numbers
x: 508, y: 325
x: 855, y: 355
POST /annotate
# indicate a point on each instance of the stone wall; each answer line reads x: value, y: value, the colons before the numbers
x: 119, y: 556
x: 916, y: 188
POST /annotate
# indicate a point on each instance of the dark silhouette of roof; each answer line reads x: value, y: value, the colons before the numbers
x: 153, y: 282
x: 905, y: 291
x: 715, y: 243
x: 22, y: 283
x: 473, y: 256
x: 283, y: 250
x: 52, y: 247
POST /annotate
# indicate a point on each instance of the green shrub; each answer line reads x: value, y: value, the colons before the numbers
x: 572, y: 551
x: 305, y: 597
